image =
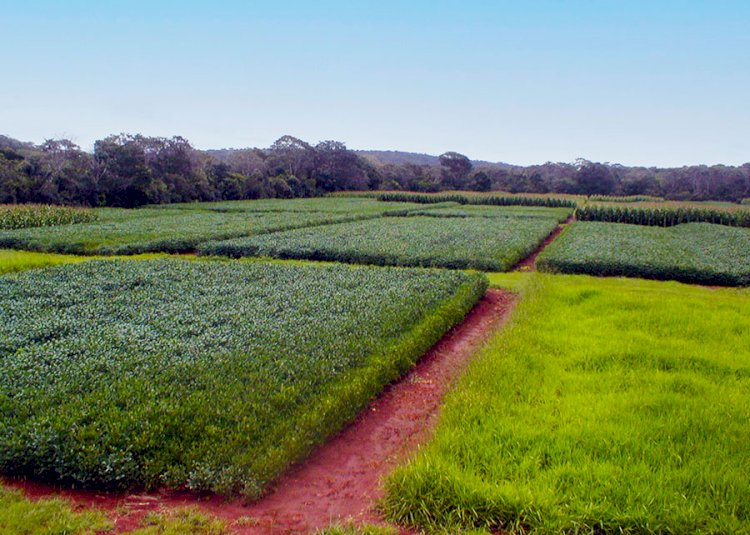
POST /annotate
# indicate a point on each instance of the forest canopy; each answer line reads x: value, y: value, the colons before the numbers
x: 131, y: 170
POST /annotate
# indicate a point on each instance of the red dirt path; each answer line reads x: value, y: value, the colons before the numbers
x: 529, y: 263
x: 341, y: 479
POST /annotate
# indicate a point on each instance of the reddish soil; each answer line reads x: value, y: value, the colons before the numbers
x: 341, y: 479
x: 529, y: 263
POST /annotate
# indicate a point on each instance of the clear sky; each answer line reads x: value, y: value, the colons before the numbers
x: 654, y: 82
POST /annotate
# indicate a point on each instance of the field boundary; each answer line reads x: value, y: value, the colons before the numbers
x: 529, y: 263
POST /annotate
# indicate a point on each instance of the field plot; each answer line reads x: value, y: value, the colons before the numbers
x: 478, y: 243
x: 167, y: 230
x: 316, y: 204
x: 472, y: 210
x: 607, y: 406
x: 210, y: 374
x: 695, y: 252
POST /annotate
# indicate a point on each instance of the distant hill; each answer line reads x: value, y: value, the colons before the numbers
x: 396, y: 157
x: 7, y: 142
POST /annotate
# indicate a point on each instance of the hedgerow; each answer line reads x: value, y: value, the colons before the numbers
x: 488, y: 199
x: 16, y: 216
x: 139, y: 231
x: 489, y: 244
x: 662, y: 217
x: 699, y: 253
x: 205, y: 374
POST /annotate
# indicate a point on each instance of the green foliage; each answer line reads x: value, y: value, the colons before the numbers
x: 354, y: 529
x: 182, y: 521
x: 213, y: 375
x: 15, y: 216
x: 21, y: 516
x: 459, y: 243
x: 625, y: 198
x: 487, y: 199
x: 331, y: 204
x: 606, y: 406
x: 456, y: 210
x: 663, y: 217
x: 700, y: 253
x: 150, y: 230
x: 745, y: 201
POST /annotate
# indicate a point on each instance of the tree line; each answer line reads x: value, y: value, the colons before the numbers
x: 132, y: 170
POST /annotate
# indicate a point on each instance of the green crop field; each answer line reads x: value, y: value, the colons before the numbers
x: 148, y: 230
x: 316, y: 204
x: 695, y: 252
x: 472, y: 210
x: 210, y: 374
x: 606, y: 406
x: 479, y: 243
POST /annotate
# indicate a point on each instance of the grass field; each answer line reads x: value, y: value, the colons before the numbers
x: 471, y: 210
x: 211, y: 374
x: 607, y: 406
x: 315, y: 204
x: 139, y: 231
x: 479, y: 243
x: 694, y: 252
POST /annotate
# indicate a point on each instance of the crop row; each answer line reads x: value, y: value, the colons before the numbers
x: 625, y: 198
x: 17, y: 216
x: 491, y: 244
x: 694, y: 252
x: 663, y: 217
x: 489, y: 199
x: 457, y: 210
x: 138, y: 231
x: 212, y: 375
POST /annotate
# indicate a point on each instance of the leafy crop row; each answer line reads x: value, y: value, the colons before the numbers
x: 695, y: 252
x: 138, y: 231
x: 491, y: 244
x: 625, y: 198
x: 208, y: 374
x: 663, y: 217
x: 16, y: 216
x: 489, y: 199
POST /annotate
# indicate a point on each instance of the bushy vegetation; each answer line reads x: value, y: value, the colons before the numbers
x: 700, y: 253
x: 486, y: 199
x: 330, y: 204
x: 212, y: 375
x: 663, y: 216
x: 150, y: 230
x: 14, y: 216
x: 490, y: 244
x: 607, y: 406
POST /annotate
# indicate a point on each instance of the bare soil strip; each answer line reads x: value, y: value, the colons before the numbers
x: 529, y: 263
x: 340, y: 480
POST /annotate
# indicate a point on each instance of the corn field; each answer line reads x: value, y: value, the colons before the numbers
x: 15, y: 216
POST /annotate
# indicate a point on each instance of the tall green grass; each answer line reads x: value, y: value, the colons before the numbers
x: 15, y: 216
x: 606, y: 406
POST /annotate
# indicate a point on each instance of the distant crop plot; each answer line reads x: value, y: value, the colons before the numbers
x: 214, y: 375
x: 700, y: 253
x: 491, y: 244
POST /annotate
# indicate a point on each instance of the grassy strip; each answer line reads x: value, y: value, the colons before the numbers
x: 699, y: 253
x: 625, y: 198
x: 666, y: 216
x: 490, y: 244
x: 213, y: 375
x: 15, y: 216
x: 12, y: 261
x: 607, y: 406
x: 21, y: 516
x: 141, y: 231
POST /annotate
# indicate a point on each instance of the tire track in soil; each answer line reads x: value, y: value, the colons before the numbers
x: 529, y: 263
x: 340, y: 480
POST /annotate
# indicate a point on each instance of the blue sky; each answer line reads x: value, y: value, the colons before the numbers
x: 655, y: 82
